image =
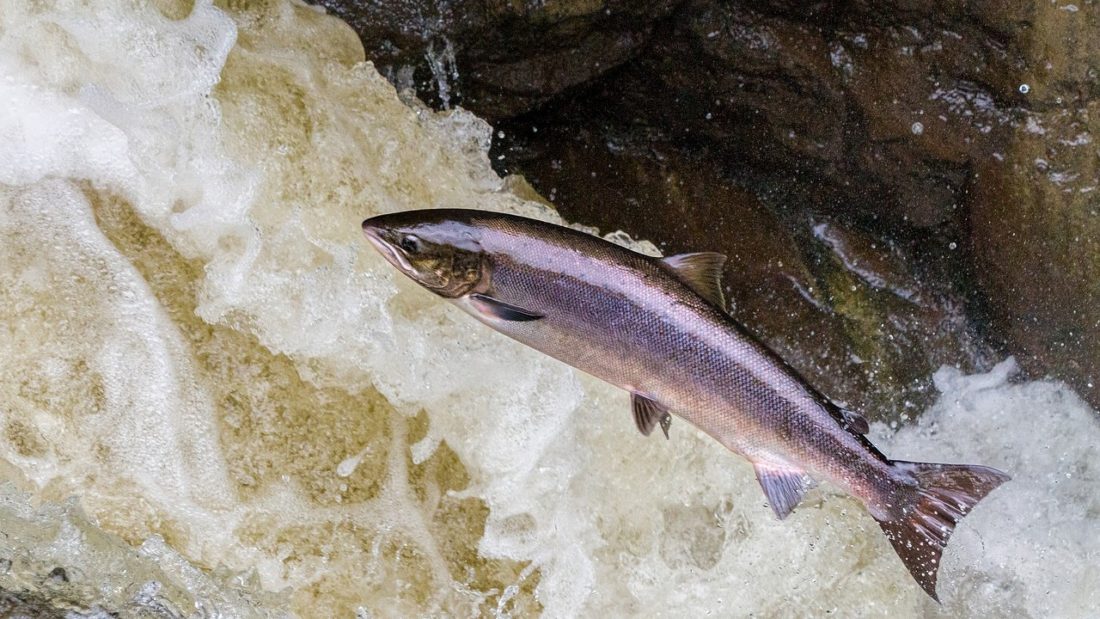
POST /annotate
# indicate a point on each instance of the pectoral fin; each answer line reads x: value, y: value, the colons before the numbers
x: 783, y: 486
x: 501, y: 310
x: 702, y: 272
x: 648, y: 414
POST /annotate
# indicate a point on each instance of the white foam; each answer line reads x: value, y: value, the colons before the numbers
x: 1022, y: 550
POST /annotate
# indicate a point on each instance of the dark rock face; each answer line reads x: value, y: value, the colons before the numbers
x: 499, y: 58
x: 885, y: 116
x: 897, y: 184
x: 852, y: 312
x: 1034, y: 216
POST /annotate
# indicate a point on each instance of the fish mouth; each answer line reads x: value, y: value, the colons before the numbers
x: 377, y: 237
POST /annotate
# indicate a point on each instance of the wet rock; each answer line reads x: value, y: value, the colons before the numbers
x: 499, y: 58
x: 846, y: 309
x: 952, y: 138
x: 1035, y: 210
x: 881, y: 111
x: 18, y: 605
x: 961, y: 133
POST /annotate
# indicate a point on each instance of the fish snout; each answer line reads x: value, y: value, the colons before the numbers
x: 377, y: 234
x: 371, y: 229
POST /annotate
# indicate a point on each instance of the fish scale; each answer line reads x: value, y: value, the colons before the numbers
x: 658, y: 329
x: 653, y: 334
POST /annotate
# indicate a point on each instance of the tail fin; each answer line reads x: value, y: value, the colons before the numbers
x: 945, y: 493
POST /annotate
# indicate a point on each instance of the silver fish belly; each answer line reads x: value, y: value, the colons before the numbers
x: 658, y: 329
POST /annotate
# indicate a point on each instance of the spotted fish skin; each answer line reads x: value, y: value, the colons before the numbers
x: 658, y: 329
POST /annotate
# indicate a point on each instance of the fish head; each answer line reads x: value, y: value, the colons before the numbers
x: 437, y: 251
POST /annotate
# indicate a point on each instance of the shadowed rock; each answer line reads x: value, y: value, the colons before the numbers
x: 499, y: 58
x: 950, y: 145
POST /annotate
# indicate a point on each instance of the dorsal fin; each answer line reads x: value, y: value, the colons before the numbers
x: 702, y: 272
x: 648, y: 414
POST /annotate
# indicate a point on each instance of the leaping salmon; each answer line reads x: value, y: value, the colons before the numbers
x: 658, y: 328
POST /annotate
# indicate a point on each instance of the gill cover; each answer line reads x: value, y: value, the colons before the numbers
x: 430, y: 254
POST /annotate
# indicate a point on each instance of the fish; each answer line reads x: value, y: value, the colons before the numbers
x: 660, y: 329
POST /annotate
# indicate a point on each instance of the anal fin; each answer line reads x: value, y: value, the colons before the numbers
x: 648, y: 414
x: 783, y: 486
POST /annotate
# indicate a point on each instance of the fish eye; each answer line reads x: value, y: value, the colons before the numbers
x: 411, y: 244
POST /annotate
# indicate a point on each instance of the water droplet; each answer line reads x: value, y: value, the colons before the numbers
x: 1024, y: 89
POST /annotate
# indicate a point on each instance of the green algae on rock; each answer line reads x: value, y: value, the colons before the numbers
x: 921, y: 127
x: 848, y: 310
